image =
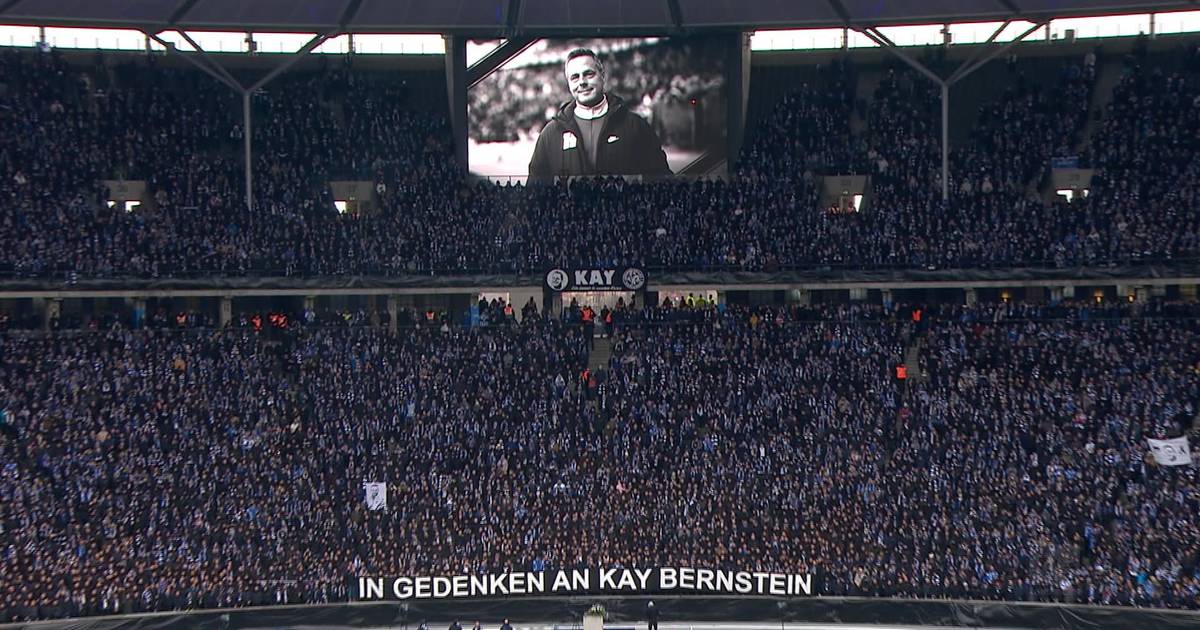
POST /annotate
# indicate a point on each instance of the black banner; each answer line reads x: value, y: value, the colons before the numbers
x: 590, y: 581
x: 600, y: 279
x: 567, y: 610
x: 267, y: 281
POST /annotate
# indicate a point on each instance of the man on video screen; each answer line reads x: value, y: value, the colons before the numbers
x: 595, y: 134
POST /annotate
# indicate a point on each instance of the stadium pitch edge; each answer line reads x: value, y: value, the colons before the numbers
x: 696, y: 626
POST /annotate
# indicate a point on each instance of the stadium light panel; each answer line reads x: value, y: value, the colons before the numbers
x: 95, y: 38
x: 1177, y: 22
x: 281, y: 42
x: 431, y: 44
x: 24, y: 36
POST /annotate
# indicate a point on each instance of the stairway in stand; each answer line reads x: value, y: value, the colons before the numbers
x: 912, y: 360
x: 601, y: 353
x: 597, y: 361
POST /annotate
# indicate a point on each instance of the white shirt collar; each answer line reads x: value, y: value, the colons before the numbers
x: 592, y: 113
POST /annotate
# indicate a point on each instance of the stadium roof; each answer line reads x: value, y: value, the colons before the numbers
x: 545, y: 16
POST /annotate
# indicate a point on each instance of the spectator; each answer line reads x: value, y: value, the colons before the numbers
x: 183, y: 461
x: 348, y: 123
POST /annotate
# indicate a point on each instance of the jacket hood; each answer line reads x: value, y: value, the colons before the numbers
x: 566, y: 111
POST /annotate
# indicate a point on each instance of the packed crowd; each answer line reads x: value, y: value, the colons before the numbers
x: 806, y: 132
x: 997, y: 213
x: 63, y: 128
x: 1147, y: 153
x: 161, y: 480
x: 176, y: 469
x: 1025, y: 447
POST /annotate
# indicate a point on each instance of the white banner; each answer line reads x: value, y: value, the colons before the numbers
x: 1173, y: 452
x: 376, y: 492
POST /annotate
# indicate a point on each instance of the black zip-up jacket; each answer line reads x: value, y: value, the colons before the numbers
x: 628, y: 146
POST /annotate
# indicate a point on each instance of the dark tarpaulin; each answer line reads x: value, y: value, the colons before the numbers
x: 559, y: 610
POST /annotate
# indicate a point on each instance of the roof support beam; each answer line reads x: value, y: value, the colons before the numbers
x: 512, y: 21
x: 676, y: 14
x: 295, y: 57
x: 209, y: 66
x: 200, y: 61
x: 1011, y: 6
x: 972, y: 65
x: 882, y: 40
x: 207, y: 58
x: 879, y: 38
x: 493, y: 60
x: 181, y: 11
x: 8, y: 4
x: 247, y: 115
x: 983, y: 50
x: 984, y: 55
x: 840, y: 10
x: 349, y: 13
x: 248, y: 149
x: 945, y: 141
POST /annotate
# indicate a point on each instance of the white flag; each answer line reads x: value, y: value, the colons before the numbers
x: 1173, y: 452
x: 376, y: 492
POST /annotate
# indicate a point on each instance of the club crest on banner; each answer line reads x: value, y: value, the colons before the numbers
x: 633, y: 279
x: 557, y: 280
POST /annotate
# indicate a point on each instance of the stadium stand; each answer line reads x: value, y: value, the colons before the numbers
x: 175, y: 469
x: 361, y: 124
x: 1148, y: 156
x: 893, y: 448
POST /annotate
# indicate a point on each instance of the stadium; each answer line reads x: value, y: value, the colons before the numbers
x: 563, y: 315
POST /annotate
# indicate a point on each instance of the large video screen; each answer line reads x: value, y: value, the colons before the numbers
x: 614, y: 106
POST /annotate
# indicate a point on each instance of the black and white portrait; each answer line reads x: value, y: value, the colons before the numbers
x: 634, y: 106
